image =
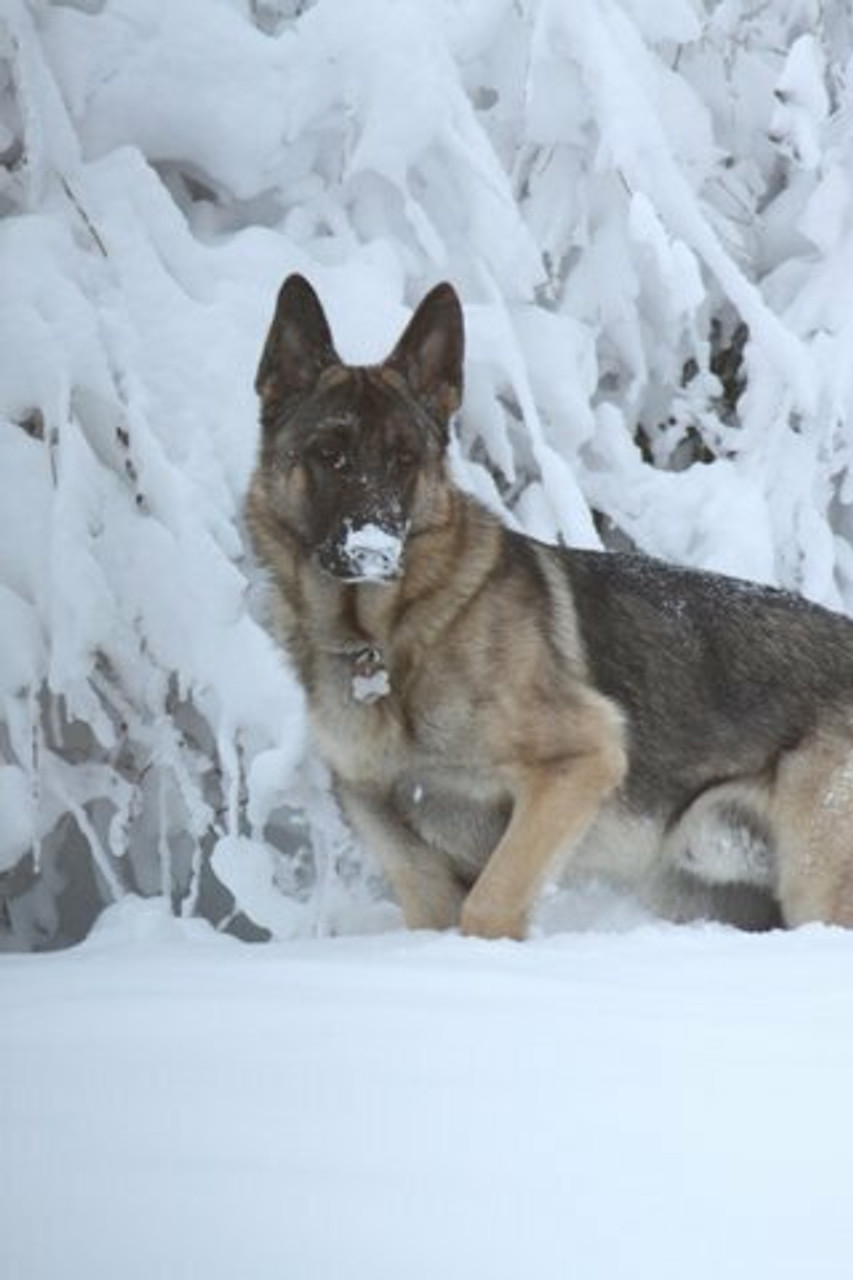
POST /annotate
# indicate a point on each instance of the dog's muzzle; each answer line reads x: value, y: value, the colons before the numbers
x: 366, y: 553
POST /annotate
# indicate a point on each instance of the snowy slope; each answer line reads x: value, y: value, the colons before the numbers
x: 651, y: 1104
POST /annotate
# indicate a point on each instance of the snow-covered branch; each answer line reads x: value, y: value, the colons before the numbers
x: 648, y: 212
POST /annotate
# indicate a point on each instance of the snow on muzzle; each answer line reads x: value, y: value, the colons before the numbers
x: 368, y: 552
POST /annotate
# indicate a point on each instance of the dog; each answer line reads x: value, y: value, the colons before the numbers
x: 497, y: 712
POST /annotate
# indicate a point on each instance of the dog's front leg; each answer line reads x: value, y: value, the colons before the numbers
x: 423, y: 879
x: 554, y: 805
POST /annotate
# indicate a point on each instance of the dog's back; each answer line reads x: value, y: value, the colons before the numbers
x: 717, y: 676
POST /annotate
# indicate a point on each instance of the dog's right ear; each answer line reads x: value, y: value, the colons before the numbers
x: 299, y: 344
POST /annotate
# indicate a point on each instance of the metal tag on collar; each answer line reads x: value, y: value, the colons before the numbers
x: 369, y: 675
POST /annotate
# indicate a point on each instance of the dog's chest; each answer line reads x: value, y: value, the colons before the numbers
x: 374, y: 725
x: 462, y: 812
x: 357, y: 714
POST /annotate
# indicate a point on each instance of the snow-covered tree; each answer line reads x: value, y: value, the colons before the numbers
x: 646, y: 206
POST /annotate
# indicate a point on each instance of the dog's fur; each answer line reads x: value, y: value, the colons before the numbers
x: 494, y: 709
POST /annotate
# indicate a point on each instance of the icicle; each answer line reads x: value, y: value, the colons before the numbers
x: 229, y: 758
x: 164, y: 847
x: 36, y: 753
x: 189, y: 903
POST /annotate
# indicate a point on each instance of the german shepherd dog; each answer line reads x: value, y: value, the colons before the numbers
x: 496, y: 711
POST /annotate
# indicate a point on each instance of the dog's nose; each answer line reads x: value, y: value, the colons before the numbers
x: 373, y: 553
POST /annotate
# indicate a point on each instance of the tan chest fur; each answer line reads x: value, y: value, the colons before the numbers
x: 363, y: 742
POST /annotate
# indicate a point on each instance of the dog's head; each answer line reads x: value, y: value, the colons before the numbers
x: 352, y: 457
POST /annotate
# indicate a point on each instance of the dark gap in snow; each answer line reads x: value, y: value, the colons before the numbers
x: 210, y: 210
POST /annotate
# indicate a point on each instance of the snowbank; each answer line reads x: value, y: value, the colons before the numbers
x: 643, y: 1106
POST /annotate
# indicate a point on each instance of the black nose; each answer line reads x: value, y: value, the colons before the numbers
x: 374, y: 551
x: 365, y: 552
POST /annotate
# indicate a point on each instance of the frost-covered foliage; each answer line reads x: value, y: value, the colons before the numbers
x: 647, y: 208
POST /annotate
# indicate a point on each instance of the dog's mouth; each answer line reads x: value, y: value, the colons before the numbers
x: 366, y: 552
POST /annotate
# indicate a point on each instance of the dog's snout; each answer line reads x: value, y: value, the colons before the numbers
x: 374, y: 552
x: 365, y: 552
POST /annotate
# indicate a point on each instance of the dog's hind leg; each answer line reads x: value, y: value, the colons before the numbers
x: 812, y: 815
x: 724, y: 836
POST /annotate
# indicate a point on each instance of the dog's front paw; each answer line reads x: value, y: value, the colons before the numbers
x: 484, y: 918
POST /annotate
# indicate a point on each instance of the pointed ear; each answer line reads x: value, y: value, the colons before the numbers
x: 430, y: 353
x: 299, y: 344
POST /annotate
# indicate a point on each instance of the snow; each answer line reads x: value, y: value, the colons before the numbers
x: 374, y: 554
x: 802, y: 103
x: 615, y: 189
x: 248, y: 869
x: 638, y: 1105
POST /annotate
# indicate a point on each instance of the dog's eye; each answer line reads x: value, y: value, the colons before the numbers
x: 329, y: 454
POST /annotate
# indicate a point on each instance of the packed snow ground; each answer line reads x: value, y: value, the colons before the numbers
x: 647, y: 1103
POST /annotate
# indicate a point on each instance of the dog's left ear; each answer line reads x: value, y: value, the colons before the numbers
x: 430, y: 353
